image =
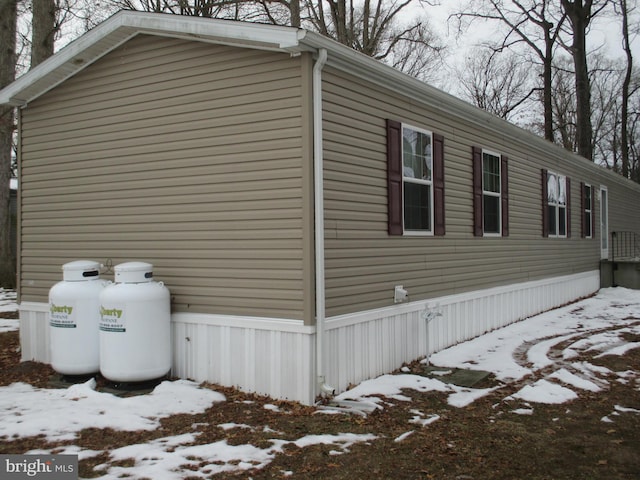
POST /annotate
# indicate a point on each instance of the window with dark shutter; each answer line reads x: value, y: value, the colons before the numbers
x: 415, y: 181
x: 490, y: 193
x: 556, y: 205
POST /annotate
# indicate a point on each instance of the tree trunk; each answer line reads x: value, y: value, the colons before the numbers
x: 8, y: 19
x: 580, y: 15
x: 44, y: 30
x: 547, y: 76
x: 624, y: 120
x: 294, y: 8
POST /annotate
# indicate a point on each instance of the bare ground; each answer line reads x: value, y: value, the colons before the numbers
x: 485, y: 440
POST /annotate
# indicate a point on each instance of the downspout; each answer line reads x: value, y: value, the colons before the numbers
x: 319, y: 220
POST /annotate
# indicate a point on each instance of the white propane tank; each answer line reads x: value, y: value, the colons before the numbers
x: 74, y: 318
x: 135, y: 325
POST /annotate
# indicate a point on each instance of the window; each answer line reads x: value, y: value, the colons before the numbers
x: 417, y: 185
x: 490, y: 194
x: 415, y: 159
x: 556, y: 205
x: 588, y: 210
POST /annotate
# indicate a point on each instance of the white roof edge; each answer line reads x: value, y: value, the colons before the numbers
x: 123, y: 25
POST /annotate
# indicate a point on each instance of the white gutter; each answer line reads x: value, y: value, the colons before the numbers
x: 319, y: 219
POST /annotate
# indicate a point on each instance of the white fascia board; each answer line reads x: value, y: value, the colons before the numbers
x: 231, y: 32
x: 122, y: 26
x: 65, y: 63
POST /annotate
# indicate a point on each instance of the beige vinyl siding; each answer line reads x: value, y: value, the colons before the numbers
x: 624, y: 215
x: 364, y: 263
x: 182, y: 154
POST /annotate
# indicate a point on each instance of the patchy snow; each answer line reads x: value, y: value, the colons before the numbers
x: 523, y: 411
x: 422, y: 419
x: 59, y: 414
x: 544, y: 391
x: 546, y: 355
x: 565, y: 376
x: 8, y: 304
x: 400, y: 438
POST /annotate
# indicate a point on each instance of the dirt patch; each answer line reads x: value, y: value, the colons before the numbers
x: 588, y: 438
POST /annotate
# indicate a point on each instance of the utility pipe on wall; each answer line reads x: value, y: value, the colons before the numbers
x: 319, y: 220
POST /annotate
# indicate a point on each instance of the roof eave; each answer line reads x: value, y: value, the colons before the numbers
x: 119, y: 28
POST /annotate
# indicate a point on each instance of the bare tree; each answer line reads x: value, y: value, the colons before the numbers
x: 376, y: 28
x: 496, y: 83
x: 633, y: 131
x: 564, y: 112
x: 624, y: 11
x: 580, y: 14
x: 529, y: 22
x: 44, y: 30
x: 605, y: 78
x: 8, y: 22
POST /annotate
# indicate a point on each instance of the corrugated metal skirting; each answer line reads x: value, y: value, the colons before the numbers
x: 276, y: 357
x: 365, y: 345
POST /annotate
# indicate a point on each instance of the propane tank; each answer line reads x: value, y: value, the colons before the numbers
x: 135, y: 325
x: 74, y: 318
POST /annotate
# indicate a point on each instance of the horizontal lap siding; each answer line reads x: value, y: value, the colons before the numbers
x: 182, y: 154
x: 364, y: 263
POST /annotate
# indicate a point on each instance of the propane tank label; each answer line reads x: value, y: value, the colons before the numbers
x: 61, y: 316
x: 112, y: 319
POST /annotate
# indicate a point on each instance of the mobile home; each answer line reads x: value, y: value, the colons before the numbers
x: 319, y: 217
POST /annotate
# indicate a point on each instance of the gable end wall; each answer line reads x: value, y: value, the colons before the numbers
x: 182, y: 154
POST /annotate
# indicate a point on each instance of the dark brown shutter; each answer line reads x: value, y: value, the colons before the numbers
x: 545, y: 204
x: 593, y: 212
x: 568, y: 207
x: 438, y: 185
x: 477, y: 191
x: 583, y: 225
x: 394, y: 177
x: 504, y: 192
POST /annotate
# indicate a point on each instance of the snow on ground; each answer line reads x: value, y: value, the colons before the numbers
x: 60, y: 413
x: 8, y: 304
x: 538, y: 354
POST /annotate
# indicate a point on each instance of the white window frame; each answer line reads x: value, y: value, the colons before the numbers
x: 489, y: 193
x: 588, y: 209
x: 419, y: 181
x: 557, y: 205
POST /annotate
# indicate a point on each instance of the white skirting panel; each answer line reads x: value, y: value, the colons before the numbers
x: 266, y: 356
x: 367, y: 344
x: 276, y: 357
x: 34, y: 332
